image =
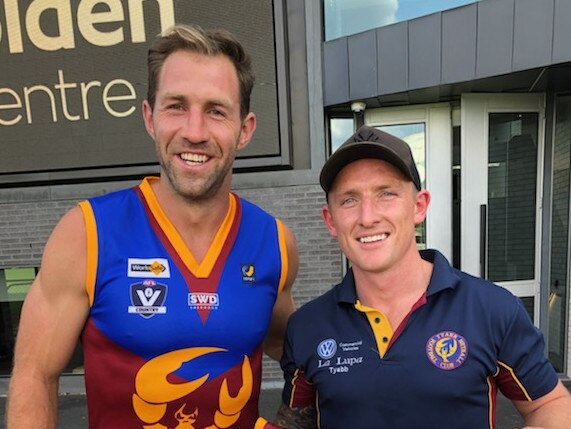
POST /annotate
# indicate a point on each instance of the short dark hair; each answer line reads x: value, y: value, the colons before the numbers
x: 213, y: 42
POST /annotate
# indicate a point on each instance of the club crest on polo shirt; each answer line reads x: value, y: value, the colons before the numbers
x: 447, y: 350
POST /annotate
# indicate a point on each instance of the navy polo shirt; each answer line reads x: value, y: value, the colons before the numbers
x: 463, y: 340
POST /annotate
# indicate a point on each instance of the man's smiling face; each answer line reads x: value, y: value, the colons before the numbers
x: 372, y: 210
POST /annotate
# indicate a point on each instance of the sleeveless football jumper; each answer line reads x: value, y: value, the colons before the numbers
x: 170, y: 342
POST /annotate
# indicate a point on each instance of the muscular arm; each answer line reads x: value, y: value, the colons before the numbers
x: 284, y: 305
x: 552, y: 411
x: 296, y: 418
x: 53, y: 315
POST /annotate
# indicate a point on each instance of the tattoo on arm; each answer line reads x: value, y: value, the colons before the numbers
x: 297, y: 418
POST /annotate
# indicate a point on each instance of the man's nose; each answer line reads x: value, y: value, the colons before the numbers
x: 369, y: 213
x: 195, y: 128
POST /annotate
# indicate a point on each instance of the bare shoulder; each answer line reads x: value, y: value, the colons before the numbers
x: 65, y: 254
x: 297, y: 418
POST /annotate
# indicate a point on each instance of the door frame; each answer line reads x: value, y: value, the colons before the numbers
x: 475, y: 110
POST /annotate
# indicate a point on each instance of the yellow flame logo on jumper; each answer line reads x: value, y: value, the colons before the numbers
x: 154, y: 391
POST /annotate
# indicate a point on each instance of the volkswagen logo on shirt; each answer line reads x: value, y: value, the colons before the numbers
x: 327, y: 348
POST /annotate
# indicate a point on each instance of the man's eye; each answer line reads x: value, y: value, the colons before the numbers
x: 348, y: 201
x: 216, y: 112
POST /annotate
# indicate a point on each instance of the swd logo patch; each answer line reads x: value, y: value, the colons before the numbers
x: 148, y: 298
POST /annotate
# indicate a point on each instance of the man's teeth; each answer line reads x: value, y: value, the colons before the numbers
x: 373, y: 238
x: 193, y: 157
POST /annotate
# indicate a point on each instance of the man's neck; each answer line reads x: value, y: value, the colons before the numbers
x: 197, y: 222
x: 394, y: 291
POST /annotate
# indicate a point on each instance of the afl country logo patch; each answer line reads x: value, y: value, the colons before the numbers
x: 447, y: 350
x: 147, y: 298
x: 327, y: 349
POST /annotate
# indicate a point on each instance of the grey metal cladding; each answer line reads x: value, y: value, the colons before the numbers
x: 425, y: 48
x: 533, y: 34
x: 459, y: 28
x: 392, y: 58
x: 495, y: 37
x: 336, y: 71
x: 475, y: 41
x: 561, y: 31
x: 362, y: 65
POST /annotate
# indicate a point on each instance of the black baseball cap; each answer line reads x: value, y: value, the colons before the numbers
x: 370, y: 142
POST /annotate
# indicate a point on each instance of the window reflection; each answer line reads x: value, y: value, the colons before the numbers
x: 559, y: 273
x: 512, y: 184
x: 345, y: 17
x: 341, y: 129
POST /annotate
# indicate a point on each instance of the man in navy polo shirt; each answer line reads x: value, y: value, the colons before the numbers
x: 406, y: 341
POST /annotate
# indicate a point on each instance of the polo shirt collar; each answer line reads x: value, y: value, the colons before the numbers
x: 443, y: 277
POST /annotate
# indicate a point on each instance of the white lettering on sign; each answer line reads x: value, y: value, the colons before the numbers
x: 16, y: 105
x: 90, y: 14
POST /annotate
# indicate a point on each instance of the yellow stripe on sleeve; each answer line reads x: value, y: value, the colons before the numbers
x: 512, y: 373
x: 260, y: 423
x: 491, y: 410
x: 283, y: 254
x: 92, y: 249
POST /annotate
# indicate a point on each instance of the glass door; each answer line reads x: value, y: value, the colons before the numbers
x: 502, y: 137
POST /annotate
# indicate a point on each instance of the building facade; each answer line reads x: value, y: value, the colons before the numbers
x: 480, y: 90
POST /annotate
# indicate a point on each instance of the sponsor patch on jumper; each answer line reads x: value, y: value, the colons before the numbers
x: 203, y: 300
x: 148, y: 298
x: 338, y: 357
x: 149, y: 267
x: 327, y: 348
x: 248, y: 273
x: 447, y: 350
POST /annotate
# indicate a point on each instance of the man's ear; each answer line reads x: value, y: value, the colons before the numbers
x: 328, y: 219
x: 148, y: 119
x: 247, y: 131
x: 421, y: 206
